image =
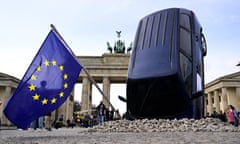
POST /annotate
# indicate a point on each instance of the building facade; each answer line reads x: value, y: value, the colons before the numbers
x: 8, y: 85
x: 222, y: 92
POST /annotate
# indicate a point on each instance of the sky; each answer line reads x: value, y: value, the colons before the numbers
x: 86, y: 25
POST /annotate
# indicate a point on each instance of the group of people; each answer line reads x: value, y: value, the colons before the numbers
x: 231, y: 115
x: 41, y: 122
x: 46, y: 122
x: 104, y: 114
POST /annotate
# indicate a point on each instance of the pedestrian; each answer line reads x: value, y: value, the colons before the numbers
x: 235, y: 113
x: 33, y: 124
x: 111, y: 114
x: 40, y: 122
x: 230, y: 115
x: 101, y: 112
x: 107, y: 114
x: 48, y: 124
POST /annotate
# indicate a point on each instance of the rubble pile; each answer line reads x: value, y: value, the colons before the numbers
x: 165, y: 125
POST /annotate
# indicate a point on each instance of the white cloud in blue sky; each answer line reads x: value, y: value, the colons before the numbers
x: 87, y: 25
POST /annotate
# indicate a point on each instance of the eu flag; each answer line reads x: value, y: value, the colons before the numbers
x: 46, y: 84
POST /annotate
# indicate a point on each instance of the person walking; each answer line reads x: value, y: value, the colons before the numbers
x: 230, y: 115
x: 101, y: 112
x: 235, y: 113
x: 40, y: 122
x: 48, y: 124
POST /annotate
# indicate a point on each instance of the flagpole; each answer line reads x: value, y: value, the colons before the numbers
x: 85, y: 70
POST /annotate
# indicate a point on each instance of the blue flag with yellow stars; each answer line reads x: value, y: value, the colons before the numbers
x: 46, y: 84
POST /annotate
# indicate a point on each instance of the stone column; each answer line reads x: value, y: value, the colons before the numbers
x: 210, y: 104
x: 7, y: 94
x: 69, y: 106
x: 224, y: 99
x: 85, y: 94
x: 90, y: 97
x: 216, y: 101
x: 66, y: 109
x: 106, y: 90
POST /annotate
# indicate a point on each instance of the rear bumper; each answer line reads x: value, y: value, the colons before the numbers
x: 162, y: 97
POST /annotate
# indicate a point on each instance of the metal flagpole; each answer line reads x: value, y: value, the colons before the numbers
x: 85, y: 70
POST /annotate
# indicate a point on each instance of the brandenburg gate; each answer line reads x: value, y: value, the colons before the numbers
x: 106, y: 69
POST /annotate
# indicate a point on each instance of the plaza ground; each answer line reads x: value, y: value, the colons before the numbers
x: 81, y: 136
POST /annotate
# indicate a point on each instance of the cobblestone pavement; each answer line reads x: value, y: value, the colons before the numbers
x: 80, y: 136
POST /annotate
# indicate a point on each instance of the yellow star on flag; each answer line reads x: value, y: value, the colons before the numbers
x: 53, y: 100
x: 61, y: 67
x: 44, y: 101
x: 39, y: 68
x: 36, y: 97
x: 61, y: 94
x: 46, y: 63
x: 33, y: 77
x: 65, y: 85
x: 32, y: 87
x: 65, y: 76
x: 54, y: 63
